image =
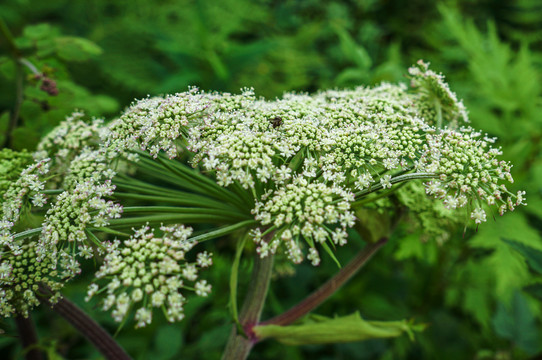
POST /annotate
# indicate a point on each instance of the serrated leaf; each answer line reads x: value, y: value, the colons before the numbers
x: 71, y: 48
x: 509, y: 268
x: 472, y: 287
x: 353, y: 51
x: 517, y: 324
x: 323, y: 330
x: 412, y: 247
x: 533, y: 256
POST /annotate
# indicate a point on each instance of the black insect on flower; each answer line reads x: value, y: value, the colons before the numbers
x: 276, y: 122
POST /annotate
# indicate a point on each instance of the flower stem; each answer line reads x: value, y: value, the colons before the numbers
x: 327, y: 289
x: 29, y: 337
x: 239, y: 346
x: 397, y: 179
x: 89, y: 328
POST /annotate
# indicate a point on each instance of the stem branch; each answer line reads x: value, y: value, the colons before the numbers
x: 89, y: 328
x: 327, y: 289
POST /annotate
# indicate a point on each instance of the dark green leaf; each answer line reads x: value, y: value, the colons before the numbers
x: 517, y: 323
x: 533, y: 256
x: 535, y: 290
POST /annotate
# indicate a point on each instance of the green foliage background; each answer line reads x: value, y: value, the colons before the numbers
x: 476, y: 291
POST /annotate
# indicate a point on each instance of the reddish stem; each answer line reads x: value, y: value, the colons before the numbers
x: 89, y: 328
x: 314, y: 300
x: 29, y: 337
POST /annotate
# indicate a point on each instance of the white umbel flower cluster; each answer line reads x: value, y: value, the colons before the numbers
x: 148, y: 271
x: 304, y: 159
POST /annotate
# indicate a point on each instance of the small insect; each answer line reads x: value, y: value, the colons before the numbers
x: 276, y: 122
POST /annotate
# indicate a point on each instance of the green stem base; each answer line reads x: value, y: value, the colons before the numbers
x: 239, y: 346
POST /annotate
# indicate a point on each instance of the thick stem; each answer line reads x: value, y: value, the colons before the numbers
x: 239, y: 346
x: 89, y: 328
x: 327, y: 289
x: 29, y: 337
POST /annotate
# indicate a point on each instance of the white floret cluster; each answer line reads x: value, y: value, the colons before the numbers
x: 85, y: 203
x: 148, y: 271
x: 304, y: 210
x: 25, y: 192
x: 155, y: 124
x: 67, y: 141
x: 22, y: 275
x: 433, y: 90
x: 469, y: 172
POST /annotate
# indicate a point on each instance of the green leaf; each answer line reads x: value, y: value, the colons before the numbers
x: 535, y: 290
x: 372, y: 225
x: 353, y: 51
x: 351, y: 75
x: 323, y: 330
x: 37, y: 32
x: 27, y: 233
x: 170, y: 218
x: 411, y: 246
x: 25, y: 138
x: 509, y: 268
x: 167, y: 342
x: 517, y: 323
x: 533, y: 256
x: 45, y: 47
x: 50, y: 350
x: 71, y: 48
x: 331, y: 254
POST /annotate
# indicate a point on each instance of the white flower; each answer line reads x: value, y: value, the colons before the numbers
x: 478, y: 215
x: 202, y: 288
x: 385, y: 181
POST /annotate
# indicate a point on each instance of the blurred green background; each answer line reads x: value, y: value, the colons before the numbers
x: 480, y: 297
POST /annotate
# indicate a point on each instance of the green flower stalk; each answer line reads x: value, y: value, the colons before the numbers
x: 290, y: 172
